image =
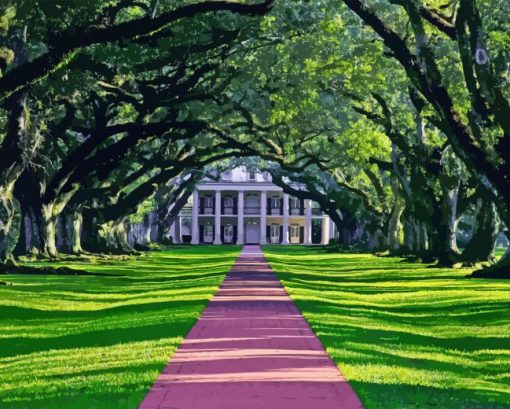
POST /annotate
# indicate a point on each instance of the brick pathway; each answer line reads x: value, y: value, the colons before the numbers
x: 251, y: 349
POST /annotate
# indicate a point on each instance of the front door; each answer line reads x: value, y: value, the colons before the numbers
x: 275, y: 234
x: 252, y: 233
x: 294, y: 234
x: 208, y: 234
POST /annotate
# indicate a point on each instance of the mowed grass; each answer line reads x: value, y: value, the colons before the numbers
x: 101, y: 341
x: 404, y: 335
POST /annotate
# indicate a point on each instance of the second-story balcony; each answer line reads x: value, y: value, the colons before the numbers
x: 274, y: 211
x: 296, y: 211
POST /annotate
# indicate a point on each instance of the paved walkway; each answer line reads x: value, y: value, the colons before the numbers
x: 251, y: 349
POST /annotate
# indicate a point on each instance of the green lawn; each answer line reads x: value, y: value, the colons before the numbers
x: 97, y: 341
x: 406, y: 336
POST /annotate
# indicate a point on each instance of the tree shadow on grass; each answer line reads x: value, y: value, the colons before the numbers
x: 102, y: 337
x: 398, y: 365
x: 429, y: 341
x: 402, y: 396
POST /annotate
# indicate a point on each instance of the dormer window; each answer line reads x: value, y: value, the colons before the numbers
x: 252, y: 176
x: 227, y: 175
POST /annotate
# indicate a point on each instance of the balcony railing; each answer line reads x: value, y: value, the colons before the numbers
x: 206, y: 210
x: 296, y: 211
x: 252, y: 210
x: 274, y: 211
x: 227, y: 211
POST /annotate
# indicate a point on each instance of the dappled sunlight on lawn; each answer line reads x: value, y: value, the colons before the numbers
x: 405, y: 335
x: 101, y: 341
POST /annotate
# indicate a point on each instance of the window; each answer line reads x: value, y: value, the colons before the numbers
x: 252, y: 176
x: 208, y: 231
x: 208, y: 202
x: 229, y: 202
x: 227, y: 175
x: 295, y: 205
x: 275, y: 202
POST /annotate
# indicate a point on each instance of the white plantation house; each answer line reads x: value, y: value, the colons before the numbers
x: 242, y: 207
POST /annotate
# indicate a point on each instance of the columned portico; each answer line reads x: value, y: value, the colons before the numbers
x: 240, y: 218
x: 263, y: 214
x: 217, y: 218
x: 195, y: 238
x: 285, y: 219
x: 249, y: 210
x: 308, y: 222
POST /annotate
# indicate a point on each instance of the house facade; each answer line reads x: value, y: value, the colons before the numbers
x: 242, y: 207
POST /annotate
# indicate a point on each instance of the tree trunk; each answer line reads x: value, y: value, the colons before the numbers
x: 49, y: 226
x: 10, y: 224
x: 116, y: 236
x: 499, y: 270
x: 480, y: 247
x: 422, y: 236
x: 450, y: 219
x: 122, y: 237
x: 25, y: 234
x: 77, y: 228
x: 394, y: 224
x: 415, y: 236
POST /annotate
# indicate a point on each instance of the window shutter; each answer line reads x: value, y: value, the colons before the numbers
x: 301, y: 234
x: 281, y: 234
x: 201, y: 237
x: 235, y: 234
x: 301, y: 207
x: 281, y: 205
x: 268, y: 233
x: 222, y: 234
x: 268, y: 206
x: 201, y: 205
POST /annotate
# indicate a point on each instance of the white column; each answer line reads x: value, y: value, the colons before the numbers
x: 308, y: 222
x: 176, y: 225
x: 332, y: 230
x: 325, y: 230
x: 285, y: 219
x: 263, y: 214
x: 240, y: 218
x: 217, y: 218
x: 195, y: 230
